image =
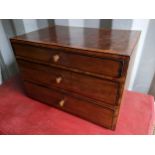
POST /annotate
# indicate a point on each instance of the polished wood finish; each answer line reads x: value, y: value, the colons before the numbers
x: 120, y: 42
x: 70, y: 81
x: 112, y: 67
x: 89, y: 111
x: 78, y: 70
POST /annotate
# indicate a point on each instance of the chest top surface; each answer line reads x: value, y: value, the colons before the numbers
x: 119, y: 42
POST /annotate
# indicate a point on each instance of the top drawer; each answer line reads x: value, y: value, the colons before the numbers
x: 32, y: 52
x: 102, y: 66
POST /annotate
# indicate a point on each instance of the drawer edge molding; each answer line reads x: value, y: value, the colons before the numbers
x: 120, y: 79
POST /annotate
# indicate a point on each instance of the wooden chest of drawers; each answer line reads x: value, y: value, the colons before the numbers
x: 78, y: 70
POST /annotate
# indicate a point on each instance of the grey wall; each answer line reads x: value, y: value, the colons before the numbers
x: 5, y: 49
x: 141, y: 25
x: 146, y: 67
x: 96, y: 23
x: 125, y: 24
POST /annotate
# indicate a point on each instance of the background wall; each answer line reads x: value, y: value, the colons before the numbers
x: 141, y: 74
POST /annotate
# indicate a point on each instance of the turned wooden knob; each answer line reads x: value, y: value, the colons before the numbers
x: 61, y: 103
x: 58, y: 79
x: 56, y: 58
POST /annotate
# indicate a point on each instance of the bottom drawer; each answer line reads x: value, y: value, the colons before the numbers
x: 89, y: 111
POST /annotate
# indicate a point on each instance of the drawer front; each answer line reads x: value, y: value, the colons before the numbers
x: 32, y: 52
x: 89, y: 111
x: 101, y: 66
x: 95, y: 88
x: 84, y: 63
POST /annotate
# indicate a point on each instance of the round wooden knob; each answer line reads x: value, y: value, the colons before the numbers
x: 61, y: 103
x: 56, y: 58
x: 58, y: 79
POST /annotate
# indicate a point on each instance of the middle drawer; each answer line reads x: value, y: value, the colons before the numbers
x: 88, y: 86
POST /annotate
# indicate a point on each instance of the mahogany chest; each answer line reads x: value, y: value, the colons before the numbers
x: 79, y: 70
